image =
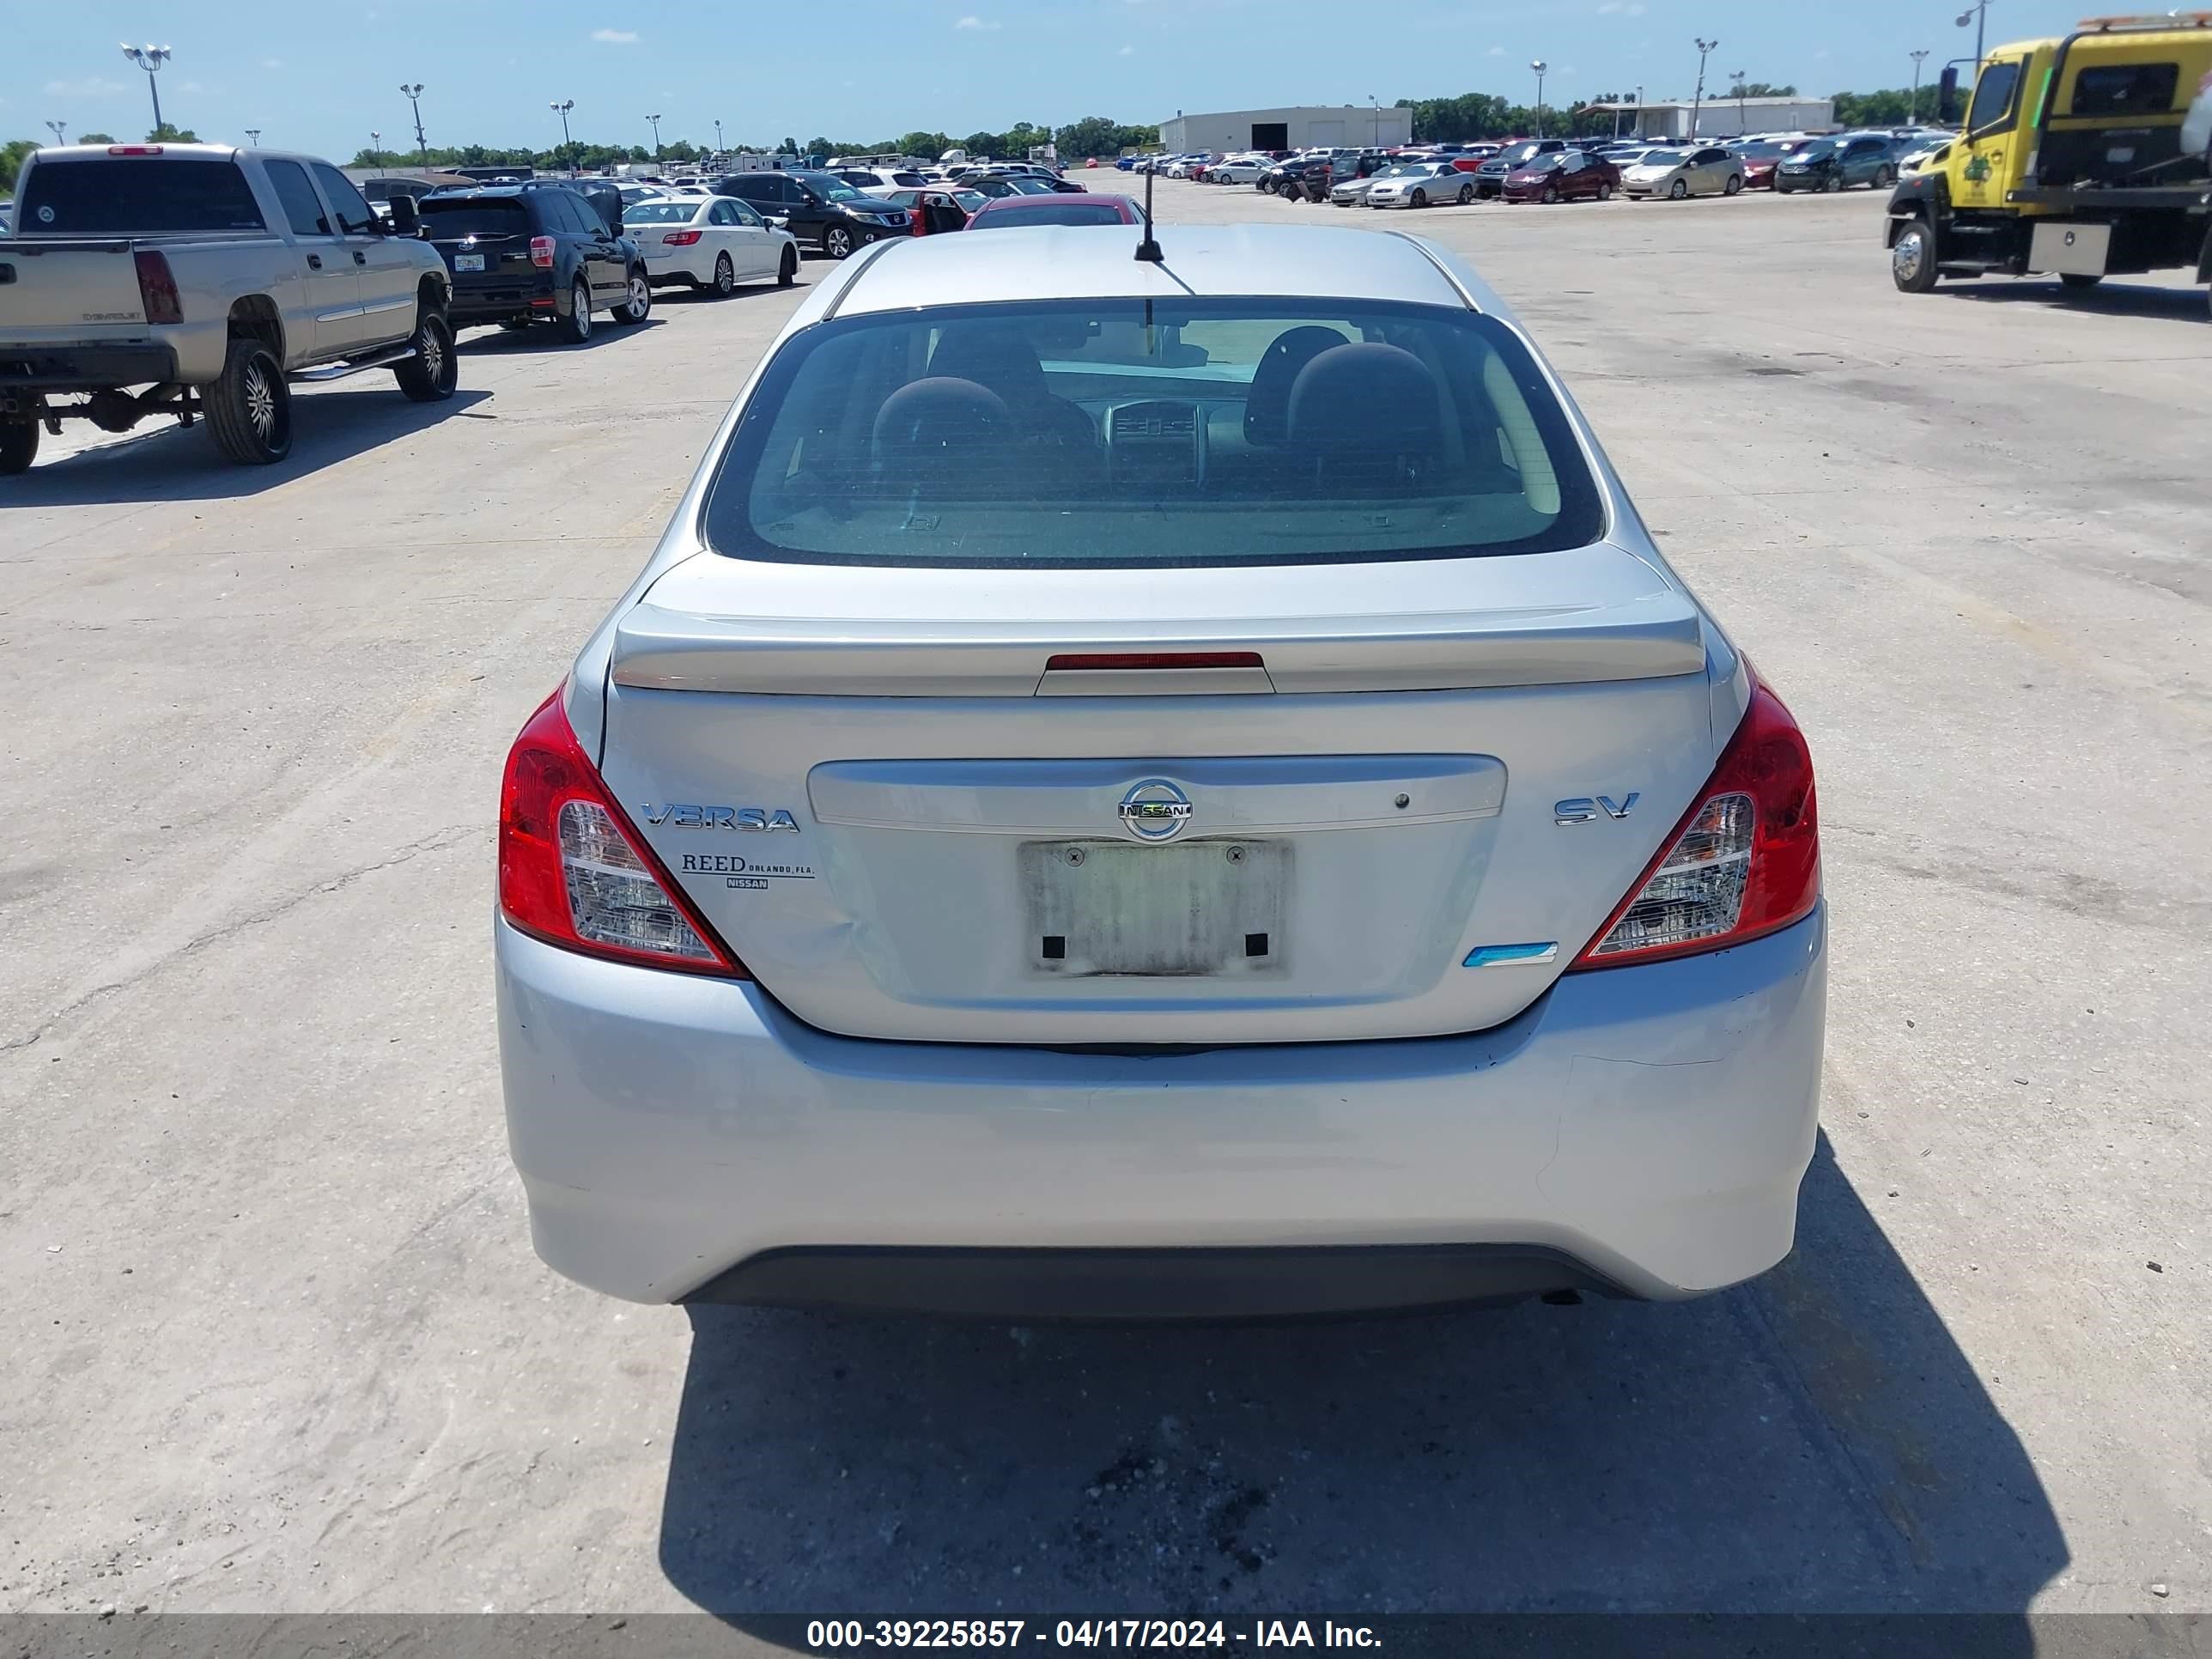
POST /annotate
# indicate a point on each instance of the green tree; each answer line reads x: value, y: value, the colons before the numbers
x: 95, y: 138
x: 11, y: 161
x: 1892, y: 108
x: 681, y: 150
x: 927, y: 145
x: 166, y: 134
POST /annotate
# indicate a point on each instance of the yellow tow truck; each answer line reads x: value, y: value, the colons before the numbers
x: 2083, y: 156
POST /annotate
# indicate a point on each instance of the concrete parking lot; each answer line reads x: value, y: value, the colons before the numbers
x: 273, y: 1336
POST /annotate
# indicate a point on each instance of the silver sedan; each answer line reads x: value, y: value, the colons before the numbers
x: 1419, y: 185
x: 1351, y: 869
x: 1707, y: 170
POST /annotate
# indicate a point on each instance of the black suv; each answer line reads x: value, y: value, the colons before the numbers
x: 525, y: 253
x: 1489, y: 177
x: 820, y: 209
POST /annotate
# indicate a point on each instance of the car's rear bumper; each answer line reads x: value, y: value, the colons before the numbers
x: 64, y: 367
x: 1643, y: 1127
x: 505, y: 297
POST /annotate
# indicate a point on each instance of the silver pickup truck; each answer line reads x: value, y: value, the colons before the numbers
x: 197, y: 279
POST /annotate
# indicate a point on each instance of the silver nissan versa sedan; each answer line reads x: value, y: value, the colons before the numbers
x: 1173, y: 789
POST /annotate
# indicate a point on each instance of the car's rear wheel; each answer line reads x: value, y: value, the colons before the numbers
x: 837, y: 241
x: 1733, y: 184
x: 637, y: 302
x: 576, y: 326
x: 1465, y: 194
x: 430, y: 376
x: 1885, y: 178
x: 249, y: 407
x: 726, y: 276
x: 1912, y: 257
x: 1605, y: 192
x: 1678, y: 190
x: 787, y: 272
x: 19, y: 445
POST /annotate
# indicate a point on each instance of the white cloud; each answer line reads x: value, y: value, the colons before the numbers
x: 615, y: 37
x: 272, y: 62
x: 1127, y: 52
x: 974, y: 22
x: 93, y: 86
x: 1495, y: 51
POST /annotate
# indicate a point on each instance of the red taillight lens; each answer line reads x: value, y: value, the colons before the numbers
x: 157, y: 288
x: 573, y: 870
x: 134, y: 149
x: 681, y: 238
x: 1745, y: 861
x: 541, y: 253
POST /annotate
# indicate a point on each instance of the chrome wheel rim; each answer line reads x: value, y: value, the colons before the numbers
x: 433, y: 351
x: 1905, y: 259
x: 725, y: 277
x: 260, y: 404
x: 840, y: 244
x: 639, y: 299
x: 580, y: 303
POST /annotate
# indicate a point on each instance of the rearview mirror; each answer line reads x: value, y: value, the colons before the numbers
x: 406, y: 217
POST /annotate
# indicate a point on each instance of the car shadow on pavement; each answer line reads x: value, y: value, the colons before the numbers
x: 2110, y: 298
x: 167, y: 462
x: 490, y: 340
x: 1813, y: 1441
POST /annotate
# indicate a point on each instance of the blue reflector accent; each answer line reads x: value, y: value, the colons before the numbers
x: 1510, y: 955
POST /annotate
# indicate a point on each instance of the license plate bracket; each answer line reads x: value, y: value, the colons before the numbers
x: 468, y: 262
x: 1208, y: 909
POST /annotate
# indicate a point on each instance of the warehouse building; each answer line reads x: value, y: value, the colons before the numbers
x: 1329, y: 124
x: 1720, y: 117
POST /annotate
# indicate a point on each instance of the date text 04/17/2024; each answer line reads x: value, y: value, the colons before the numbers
x: 832, y: 1635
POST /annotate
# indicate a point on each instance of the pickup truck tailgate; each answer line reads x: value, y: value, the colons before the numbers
x: 54, y: 289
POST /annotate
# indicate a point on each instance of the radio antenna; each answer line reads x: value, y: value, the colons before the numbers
x: 1148, y: 250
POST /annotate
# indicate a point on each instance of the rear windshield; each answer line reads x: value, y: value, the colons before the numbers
x: 661, y: 213
x: 2125, y: 89
x: 457, y: 215
x: 1124, y: 434
x: 1050, y: 213
x: 136, y: 196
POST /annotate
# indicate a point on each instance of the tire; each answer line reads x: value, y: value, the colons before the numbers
x: 430, y: 376
x: 2079, y: 282
x: 576, y: 326
x: 19, y: 446
x: 1733, y: 184
x: 1832, y: 182
x: 249, y: 407
x: 1912, y: 257
x: 1678, y: 190
x: 639, y: 306
x: 1884, y: 179
x: 726, y: 276
x: 1420, y: 198
x: 1605, y: 192
x: 1465, y: 194
x: 1551, y: 196
x: 787, y: 272
x: 837, y: 243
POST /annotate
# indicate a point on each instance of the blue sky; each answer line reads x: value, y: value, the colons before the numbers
x: 320, y: 75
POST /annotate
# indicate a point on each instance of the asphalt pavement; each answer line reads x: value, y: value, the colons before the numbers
x: 273, y: 1337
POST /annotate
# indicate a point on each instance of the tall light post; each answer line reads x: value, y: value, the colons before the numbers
x: 561, y: 110
x: 414, y: 96
x: 1376, y: 104
x: 718, y: 137
x: 1540, y: 66
x: 1978, y: 15
x: 1743, y: 121
x: 376, y: 149
x: 254, y: 137
x: 1918, y: 58
x: 1705, y: 49
x: 149, y: 58
x: 55, y: 127
x: 655, y: 119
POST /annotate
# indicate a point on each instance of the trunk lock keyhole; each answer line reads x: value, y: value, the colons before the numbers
x: 1075, y: 855
x: 1236, y: 855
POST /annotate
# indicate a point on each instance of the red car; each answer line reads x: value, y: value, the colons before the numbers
x: 1013, y: 212
x: 1562, y: 177
x: 1760, y: 159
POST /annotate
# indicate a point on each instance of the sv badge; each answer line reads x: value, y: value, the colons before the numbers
x: 1584, y: 809
x: 685, y: 816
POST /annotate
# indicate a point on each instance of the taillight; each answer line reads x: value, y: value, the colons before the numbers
x: 573, y: 870
x: 541, y: 253
x: 134, y: 149
x: 681, y: 238
x: 1744, y: 860
x: 157, y: 288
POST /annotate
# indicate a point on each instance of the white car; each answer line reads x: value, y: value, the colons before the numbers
x: 712, y: 242
x: 1354, y: 871
x: 1184, y: 167
x: 1241, y: 170
x: 1419, y: 185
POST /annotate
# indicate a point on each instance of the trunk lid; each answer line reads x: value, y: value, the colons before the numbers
x: 909, y: 825
x: 73, y: 290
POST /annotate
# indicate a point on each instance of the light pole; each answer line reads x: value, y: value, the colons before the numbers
x: 1540, y: 66
x: 1376, y: 104
x: 254, y: 137
x: 1917, y: 59
x: 414, y: 96
x: 718, y: 137
x: 1705, y: 49
x: 1978, y: 14
x: 1743, y: 121
x: 149, y: 58
x: 55, y: 127
x: 376, y: 149
x: 561, y: 110
x: 655, y: 119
